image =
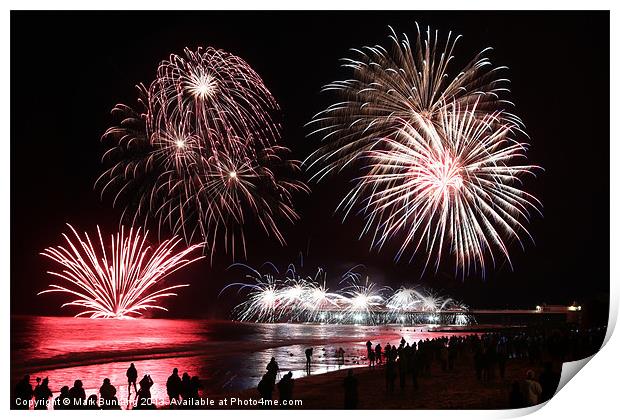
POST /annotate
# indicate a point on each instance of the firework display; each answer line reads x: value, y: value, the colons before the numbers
x: 121, y: 281
x: 440, y: 162
x: 291, y: 297
x: 200, y: 157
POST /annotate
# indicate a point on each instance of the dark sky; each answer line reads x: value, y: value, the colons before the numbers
x: 69, y: 69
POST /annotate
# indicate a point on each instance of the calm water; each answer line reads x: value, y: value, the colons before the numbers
x: 227, y: 356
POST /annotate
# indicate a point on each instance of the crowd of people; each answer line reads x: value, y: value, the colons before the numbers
x: 182, y: 392
x: 267, y: 384
x: 489, y: 354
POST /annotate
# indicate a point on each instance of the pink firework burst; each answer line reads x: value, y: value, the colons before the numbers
x: 121, y: 281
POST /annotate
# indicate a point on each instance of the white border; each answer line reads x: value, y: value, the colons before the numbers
x: 593, y: 394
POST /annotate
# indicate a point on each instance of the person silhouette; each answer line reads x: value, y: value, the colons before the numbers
x: 92, y: 403
x: 350, y: 391
x: 77, y: 395
x: 308, y: 359
x: 340, y: 356
x: 173, y: 387
x: 132, y: 377
x: 42, y: 394
x: 107, y: 392
x: 23, y: 394
x: 185, y: 386
x: 273, y: 368
x: 194, y: 386
x: 62, y: 401
x: 143, y: 395
x: 285, y: 388
x: 531, y: 389
x: 371, y: 358
x: 265, y: 386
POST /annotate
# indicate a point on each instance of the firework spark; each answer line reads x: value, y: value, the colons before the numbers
x: 436, y: 153
x: 201, y: 158
x: 120, y: 282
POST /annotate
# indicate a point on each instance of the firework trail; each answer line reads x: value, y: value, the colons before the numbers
x: 279, y: 297
x: 121, y: 281
x: 436, y: 152
x: 200, y: 157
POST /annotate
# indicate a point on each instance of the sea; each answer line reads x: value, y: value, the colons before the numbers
x: 227, y: 356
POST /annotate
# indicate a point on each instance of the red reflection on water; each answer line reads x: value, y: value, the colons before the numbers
x: 225, y: 355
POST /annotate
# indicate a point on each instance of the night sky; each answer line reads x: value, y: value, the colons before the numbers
x: 69, y: 69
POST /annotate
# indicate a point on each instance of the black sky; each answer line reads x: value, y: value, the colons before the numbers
x: 69, y: 69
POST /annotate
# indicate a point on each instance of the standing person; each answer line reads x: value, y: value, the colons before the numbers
x: 194, y: 396
x: 350, y: 391
x: 265, y: 387
x: 340, y: 356
x: 23, y: 394
x: 378, y: 353
x: 107, y: 392
x: 285, y: 387
x: 144, y: 394
x: 531, y: 389
x: 77, y: 395
x: 92, y: 403
x: 42, y: 394
x: 308, y: 359
x: 173, y: 387
x: 273, y: 368
x: 61, y: 402
x: 186, y: 384
x: 368, y: 347
x: 132, y: 377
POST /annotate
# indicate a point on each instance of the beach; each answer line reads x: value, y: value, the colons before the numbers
x: 227, y: 356
x: 458, y: 389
